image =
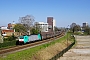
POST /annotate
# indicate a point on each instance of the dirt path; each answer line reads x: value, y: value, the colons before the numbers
x: 81, y: 51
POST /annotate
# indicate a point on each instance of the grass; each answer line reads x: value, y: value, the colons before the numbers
x: 28, y: 53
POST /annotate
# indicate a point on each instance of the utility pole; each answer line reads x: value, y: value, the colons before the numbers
x: 1, y: 37
x: 67, y: 35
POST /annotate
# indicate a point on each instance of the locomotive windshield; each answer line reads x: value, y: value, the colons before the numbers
x: 21, y: 37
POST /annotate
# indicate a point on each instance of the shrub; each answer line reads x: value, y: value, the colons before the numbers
x: 6, y: 44
x: 10, y: 38
x: 9, y: 41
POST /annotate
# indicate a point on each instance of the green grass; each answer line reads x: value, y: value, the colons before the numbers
x: 28, y: 53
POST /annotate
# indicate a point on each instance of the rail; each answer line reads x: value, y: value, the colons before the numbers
x: 62, y: 52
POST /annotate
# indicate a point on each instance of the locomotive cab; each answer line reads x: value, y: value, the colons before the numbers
x: 23, y: 39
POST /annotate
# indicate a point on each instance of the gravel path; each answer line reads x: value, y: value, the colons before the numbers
x: 81, y: 51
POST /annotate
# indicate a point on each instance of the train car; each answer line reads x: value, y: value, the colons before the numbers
x: 31, y: 38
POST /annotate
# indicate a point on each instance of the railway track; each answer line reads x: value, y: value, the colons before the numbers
x: 15, y: 48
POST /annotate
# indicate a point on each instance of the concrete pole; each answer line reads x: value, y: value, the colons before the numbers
x: 1, y: 37
x: 67, y: 35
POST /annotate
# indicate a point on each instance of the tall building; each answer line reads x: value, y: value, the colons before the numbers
x: 50, y: 23
x: 85, y: 24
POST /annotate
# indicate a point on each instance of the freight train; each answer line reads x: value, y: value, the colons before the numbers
x: 38, y: 37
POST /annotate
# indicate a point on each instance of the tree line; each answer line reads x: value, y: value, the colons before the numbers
x: 77, y: 28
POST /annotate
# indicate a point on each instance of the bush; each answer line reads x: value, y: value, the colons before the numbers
x: 10, y: 38
x: 6, y: 44
x: 10, y: 41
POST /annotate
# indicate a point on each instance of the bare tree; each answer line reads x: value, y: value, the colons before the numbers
x: 27, y: 21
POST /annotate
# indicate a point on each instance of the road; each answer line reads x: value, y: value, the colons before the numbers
x: 81, y: 51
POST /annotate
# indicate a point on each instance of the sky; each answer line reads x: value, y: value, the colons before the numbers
x: 65, y: 12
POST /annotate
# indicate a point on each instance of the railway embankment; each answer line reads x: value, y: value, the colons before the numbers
x: 50, y: 51
x: 53, y: 52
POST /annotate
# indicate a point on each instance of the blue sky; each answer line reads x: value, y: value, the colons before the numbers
x: 64, y: 12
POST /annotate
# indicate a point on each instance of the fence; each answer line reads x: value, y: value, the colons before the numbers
x: 62, y: 52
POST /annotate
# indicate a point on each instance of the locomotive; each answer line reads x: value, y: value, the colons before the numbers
x: 29, y: 38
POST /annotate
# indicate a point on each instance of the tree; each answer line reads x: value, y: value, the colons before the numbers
x: 87, y: 30
x: 74, y: 27
x: 77, y: 28
x: 37, y: 26
x: 27, y: 21
x: 56, y: 28
x: 34, y: 31
x: 20, y: 28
